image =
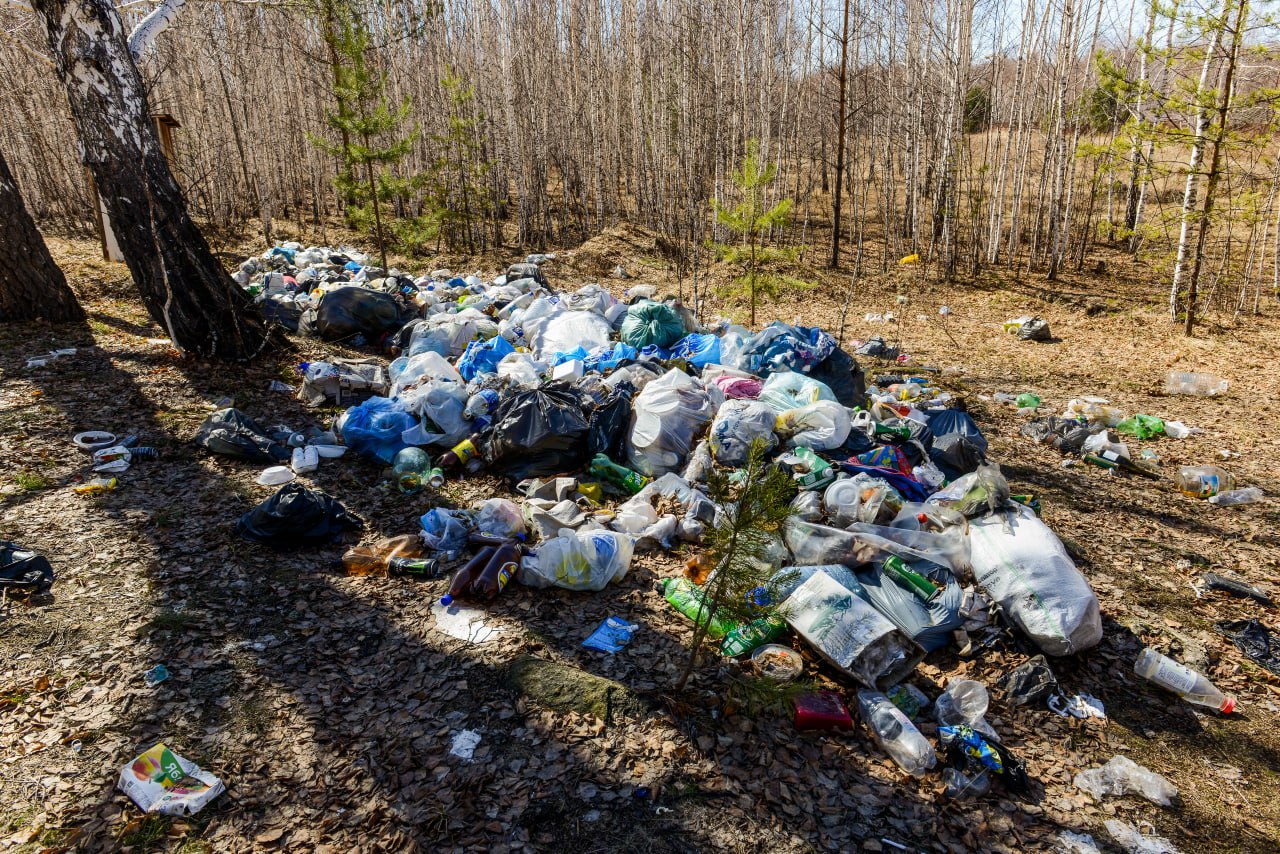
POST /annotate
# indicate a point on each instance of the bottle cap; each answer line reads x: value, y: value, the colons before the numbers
x: 446, y: 600
x: 1228, y: 705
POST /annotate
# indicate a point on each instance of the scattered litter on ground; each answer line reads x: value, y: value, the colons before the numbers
x: 464, y: 744
x: 161, y: 781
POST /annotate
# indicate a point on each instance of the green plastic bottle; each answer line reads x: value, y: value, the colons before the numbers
x: 622, y: 477
x: 689, y: 599
x: 745, y: 637
x: 897, y: 569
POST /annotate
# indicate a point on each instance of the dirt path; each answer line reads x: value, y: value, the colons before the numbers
x: 328, y: 704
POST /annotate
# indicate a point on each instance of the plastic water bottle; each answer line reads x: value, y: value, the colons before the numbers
x: 1182, y: 680
x: 896, y: 734
x: 1204, y: 481
x: 1187, y: 382
x: 1248, y: 495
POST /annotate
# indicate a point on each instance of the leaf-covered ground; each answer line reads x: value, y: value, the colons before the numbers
x: 328, y: 704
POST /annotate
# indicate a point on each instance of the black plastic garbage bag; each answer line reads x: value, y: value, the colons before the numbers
x: 956, y: 454
x: 1034, y: 329
x: 23, y: 570
x: 944, y: 422
x: 296, y: 516
x: 609, y: 422
x: 1030, y: 682
x: 841, y: 373
x: 1255, y: 640
x: 281, y: 314
x: 537, y: 433
x: 351, y: 311
x: 231, y: 433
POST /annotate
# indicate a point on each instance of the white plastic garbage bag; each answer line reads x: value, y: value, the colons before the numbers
x: 499, y: 517
x: 411, y: 371
x: 1025, y: 568
x: 665, y: 418
x: 584, y: 560
x: 790, y: 390
x: 567, y: 331
x: 821, y: 426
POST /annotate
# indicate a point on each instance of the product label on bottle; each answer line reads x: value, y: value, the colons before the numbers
x: 1176, y: 677
x: 465, y: 450
x: 504, y: 574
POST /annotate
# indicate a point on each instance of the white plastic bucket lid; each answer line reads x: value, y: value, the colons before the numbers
x: 276, y: 475
x: 92, y: 440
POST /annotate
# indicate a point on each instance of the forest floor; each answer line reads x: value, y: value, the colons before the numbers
x: 327, y: 704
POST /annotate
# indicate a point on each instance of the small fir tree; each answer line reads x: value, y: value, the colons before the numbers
x: 457, y: 200
x: 754, y: 507
x: 752, y: 221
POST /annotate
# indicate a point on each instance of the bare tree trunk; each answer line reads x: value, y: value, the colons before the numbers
x: 181, y: 283
x: 840, y: 120
x: 31, y: 285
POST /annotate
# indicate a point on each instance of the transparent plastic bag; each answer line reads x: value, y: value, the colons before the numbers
x: 499, y: 517
x: 738, y: 424
x: 821, y: 426
x: 522, y: 369
x: 1122, y: 776
x: 791, y: 390
x: 440, y: 408
x: 666, y: 418
x: 861, y: 498
x: 585, y: 560
x: 568, y: 331
x: 407, y: 372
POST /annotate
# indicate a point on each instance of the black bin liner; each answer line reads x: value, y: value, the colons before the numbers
x: 24, y: 570
x: 231, y: 433
x: 537, y: 433
x: 351, y: 311
x: 296, y: 516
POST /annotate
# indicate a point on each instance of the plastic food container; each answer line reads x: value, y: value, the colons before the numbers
x: 778, y: 662
x: 93, y: 440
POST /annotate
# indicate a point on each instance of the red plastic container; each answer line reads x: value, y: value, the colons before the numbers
x: 822, y: 710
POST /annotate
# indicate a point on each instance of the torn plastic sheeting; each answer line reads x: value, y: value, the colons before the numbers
x: 929, y: 624
x: 463, y: 622
x: 699, y: 511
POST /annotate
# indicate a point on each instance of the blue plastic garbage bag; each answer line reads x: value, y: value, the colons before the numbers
x: 700, y: 349
x: 606, y: 360
x: 781, y: 346
x: 482, y: 357
x: 577, y: 353
x: 444, y: 530
x: 373, y: 428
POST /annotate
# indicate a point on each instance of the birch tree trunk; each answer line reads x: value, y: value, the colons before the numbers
x: 31, y: 285
x: 181, y: 283
x: 1190, y: 196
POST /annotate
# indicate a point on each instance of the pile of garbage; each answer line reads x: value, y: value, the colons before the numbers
x: 607, y: 416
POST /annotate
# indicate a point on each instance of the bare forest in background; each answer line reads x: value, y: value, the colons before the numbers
x: 1030, y: 136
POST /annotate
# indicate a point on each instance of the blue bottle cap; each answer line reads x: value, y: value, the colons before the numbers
x: 446, y: 600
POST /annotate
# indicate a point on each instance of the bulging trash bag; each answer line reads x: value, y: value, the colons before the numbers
x: 699, y: 349
x: 840, y: 373
x: 482, y: 357
x: 790, y: 390
x: 1024, y: 567
x: 820, y: 426
x: 945, y: 422
x: 667, y: 416
x: 351, y: 311
x: 956, y: 455
x: 607, y: 424
x: 737, y: 425
x: 499, y: 517
x: 648, y: 322
x: 782, y: 347
x: 296, y: 516
x: 374, y: 428
x: 539, y: 432
x: 583, y: 560
x: 1034, y: 329
x: 569, y: 330
x: 231, y: 433
x: 409, y: 372
x: 439, y: 407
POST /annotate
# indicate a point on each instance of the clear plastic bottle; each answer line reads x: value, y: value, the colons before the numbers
x: 1182, y: 680
x: 1248, y: 495
x: 896, y: 734
x: 1204, y: 481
